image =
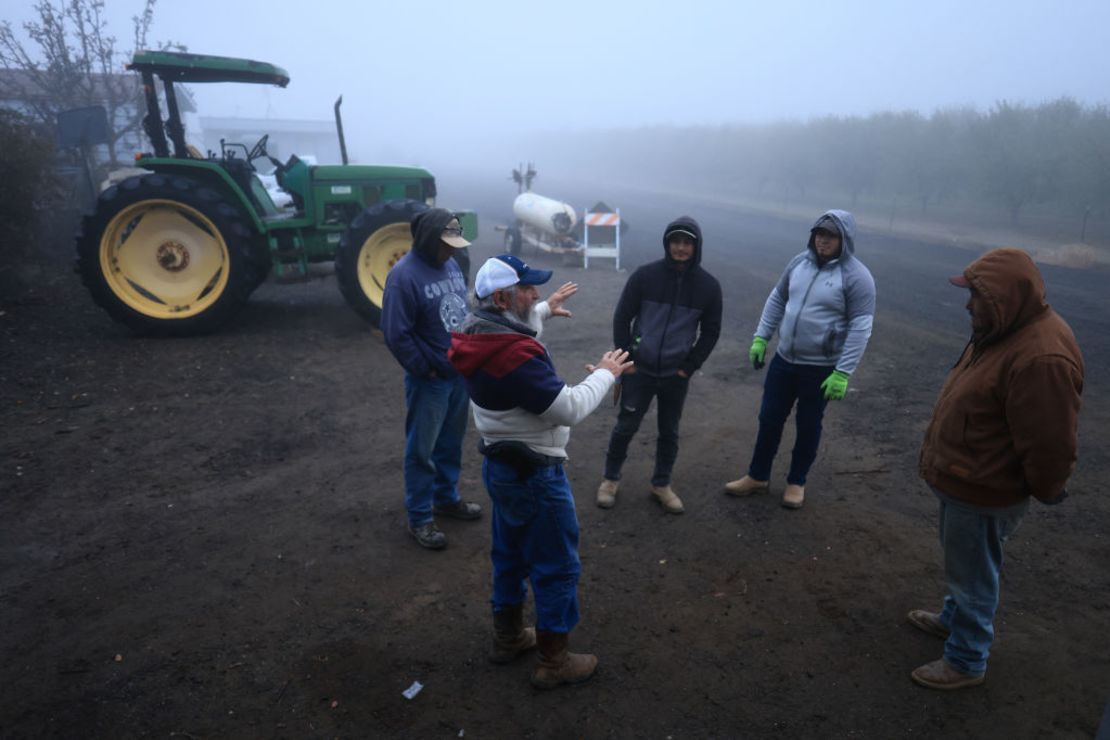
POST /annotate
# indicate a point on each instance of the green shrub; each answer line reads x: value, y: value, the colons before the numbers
x: 27, y: 189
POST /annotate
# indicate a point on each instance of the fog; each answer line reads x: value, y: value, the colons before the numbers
x: 446, y: 80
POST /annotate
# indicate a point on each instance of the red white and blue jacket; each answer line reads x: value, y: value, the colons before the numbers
x: 514, y: 390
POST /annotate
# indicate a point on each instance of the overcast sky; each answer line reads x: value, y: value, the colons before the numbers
x: 458, y: 73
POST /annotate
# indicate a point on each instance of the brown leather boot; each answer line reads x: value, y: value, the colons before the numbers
x: 510, y: 636
x: 557, y: 665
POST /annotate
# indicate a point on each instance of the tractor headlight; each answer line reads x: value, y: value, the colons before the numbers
x: 430, y: 201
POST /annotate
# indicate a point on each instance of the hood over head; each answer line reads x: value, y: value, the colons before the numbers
x: 1012, y: 286
x: 686, y: 225
x: 427, y: 232
x: 839, y: 221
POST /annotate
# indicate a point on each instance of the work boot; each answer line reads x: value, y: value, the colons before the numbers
x: 429, y: 536
x: 793, y: 496
x: 672, y: 504
x: 940, y: 674
x: 928, y: 622
x: 466, y: 510
x: 607, y: 493
x: 557, y: 665
x: 746, y: 486
x: 510, y: 636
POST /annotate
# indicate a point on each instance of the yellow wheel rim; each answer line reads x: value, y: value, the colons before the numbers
x: 379, y: 253
x: 164, y: 259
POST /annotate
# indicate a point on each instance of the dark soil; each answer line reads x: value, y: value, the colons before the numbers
x: 205, y: 537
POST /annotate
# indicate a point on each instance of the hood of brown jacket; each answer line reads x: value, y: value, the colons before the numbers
x: 1012, y: 286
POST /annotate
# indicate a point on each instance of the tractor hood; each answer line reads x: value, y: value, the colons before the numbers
x: 348, y: 172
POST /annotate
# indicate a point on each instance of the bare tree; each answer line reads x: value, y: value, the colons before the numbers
x: 72, y: 61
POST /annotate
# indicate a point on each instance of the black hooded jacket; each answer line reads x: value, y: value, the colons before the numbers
x: 669, y: 318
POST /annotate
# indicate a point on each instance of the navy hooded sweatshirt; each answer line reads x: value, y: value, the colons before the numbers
x: 669, y: 317
x: 424, y: 301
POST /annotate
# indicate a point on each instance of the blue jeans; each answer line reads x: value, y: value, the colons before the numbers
x: 434, y: 429
x: 535, y: 537
x: 972, y: 539
x: 785, y: 384
x: 636, y: 394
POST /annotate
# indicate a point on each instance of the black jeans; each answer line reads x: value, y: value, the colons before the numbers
x: 636, y: 396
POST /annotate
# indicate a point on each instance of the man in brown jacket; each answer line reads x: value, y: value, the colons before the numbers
x: 1003, y: 429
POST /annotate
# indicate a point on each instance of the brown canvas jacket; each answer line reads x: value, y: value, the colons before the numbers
x: 1005, y: 424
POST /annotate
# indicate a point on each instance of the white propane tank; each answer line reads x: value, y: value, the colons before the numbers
x: 544, y: 214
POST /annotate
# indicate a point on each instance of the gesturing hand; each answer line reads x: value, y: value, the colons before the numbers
x: 555, y: 300
x: 615, y: 361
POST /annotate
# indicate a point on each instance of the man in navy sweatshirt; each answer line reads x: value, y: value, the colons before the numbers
x: 669, y: 319
x: 424, y: 301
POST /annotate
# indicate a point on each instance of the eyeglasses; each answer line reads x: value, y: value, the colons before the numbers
x: 826, y: 234
x: 453, y: 230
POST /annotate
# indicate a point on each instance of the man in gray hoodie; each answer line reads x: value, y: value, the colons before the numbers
x: 822, y: 307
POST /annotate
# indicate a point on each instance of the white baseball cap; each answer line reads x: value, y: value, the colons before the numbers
x: 505, y: 271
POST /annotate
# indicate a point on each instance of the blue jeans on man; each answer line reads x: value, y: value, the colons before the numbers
x: 535, y: 538
x: 636, y: 395
x: 434, y: 429
x: 785, y: 384
x: 972, y: 538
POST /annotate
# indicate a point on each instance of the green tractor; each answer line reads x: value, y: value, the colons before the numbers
x: 178, y: 250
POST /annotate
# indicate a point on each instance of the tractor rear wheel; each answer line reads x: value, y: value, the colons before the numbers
x: 166, y: 255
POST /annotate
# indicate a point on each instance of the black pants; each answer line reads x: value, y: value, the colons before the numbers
x: 636, y: 397
x: 785, y: 384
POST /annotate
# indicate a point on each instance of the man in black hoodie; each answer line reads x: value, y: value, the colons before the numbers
x: 668, y: 318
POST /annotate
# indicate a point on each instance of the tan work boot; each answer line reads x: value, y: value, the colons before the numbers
x: 746, y: 486
x: 793, y: 496
x: 928, y: 622
x: 607, y: 493
x: 510, y: 636
x: 672, y: 504
x: 557, y: 665
x: 940, y: 674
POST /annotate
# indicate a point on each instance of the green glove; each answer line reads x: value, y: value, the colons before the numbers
x: 835, y: 386
x: 757, y: 352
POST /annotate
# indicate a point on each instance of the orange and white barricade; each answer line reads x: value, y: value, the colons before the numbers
x: 598, y: 250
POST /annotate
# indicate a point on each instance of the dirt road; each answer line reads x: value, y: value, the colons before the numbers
x: 204, y: 537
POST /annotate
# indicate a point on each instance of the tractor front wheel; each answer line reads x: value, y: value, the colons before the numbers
x: 166, y: 255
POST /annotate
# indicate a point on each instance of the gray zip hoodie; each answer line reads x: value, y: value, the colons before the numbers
x: 823, y: 313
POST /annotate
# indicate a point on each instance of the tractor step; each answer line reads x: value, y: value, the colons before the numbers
x: 292, y: 278
x: 288, y: 255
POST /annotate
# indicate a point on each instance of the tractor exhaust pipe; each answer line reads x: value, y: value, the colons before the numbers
x: 339, y: 128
